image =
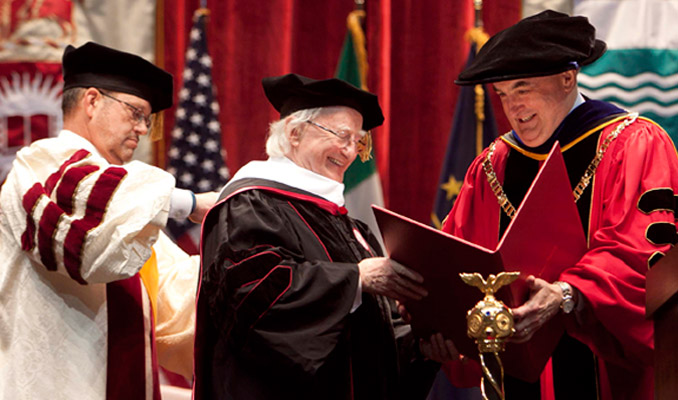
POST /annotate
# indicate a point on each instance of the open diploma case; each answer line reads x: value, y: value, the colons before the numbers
x: 544, y: 238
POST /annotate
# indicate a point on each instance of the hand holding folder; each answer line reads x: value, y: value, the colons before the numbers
x: 544, y: 238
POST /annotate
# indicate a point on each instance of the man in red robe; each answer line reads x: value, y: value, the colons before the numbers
x: 623, y: 171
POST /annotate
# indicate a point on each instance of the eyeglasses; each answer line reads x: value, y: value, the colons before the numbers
x: 138, y: 116
x: 346, y: 138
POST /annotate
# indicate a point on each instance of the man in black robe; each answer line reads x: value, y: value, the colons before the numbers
x: 292, y: 298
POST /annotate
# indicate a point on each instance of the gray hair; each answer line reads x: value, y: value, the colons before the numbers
x: 70, y: 98
x: 277, y: 144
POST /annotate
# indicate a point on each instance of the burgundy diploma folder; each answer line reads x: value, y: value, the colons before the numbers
x: 544, y: 238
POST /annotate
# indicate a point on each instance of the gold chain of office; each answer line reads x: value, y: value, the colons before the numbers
x: 583, y: 182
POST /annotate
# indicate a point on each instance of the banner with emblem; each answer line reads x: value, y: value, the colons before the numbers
x: 33, y: 36
x: 639, y: 71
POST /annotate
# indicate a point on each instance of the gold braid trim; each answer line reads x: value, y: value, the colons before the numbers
x: 498, y: 386
x: 585, y: 180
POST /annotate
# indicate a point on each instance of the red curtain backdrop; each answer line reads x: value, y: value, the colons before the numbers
x: 416, y: 49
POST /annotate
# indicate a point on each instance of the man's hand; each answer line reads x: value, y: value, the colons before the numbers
x: 203, y: 202
x: 439, y: 349
x: 543, y: 304
x: 381, y: 275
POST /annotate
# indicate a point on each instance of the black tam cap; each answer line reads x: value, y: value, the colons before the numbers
x: 292, y: 92
x: 94, y: 65
x: 544, y: 44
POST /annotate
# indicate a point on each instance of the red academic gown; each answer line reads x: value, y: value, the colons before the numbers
x: 630, y: 226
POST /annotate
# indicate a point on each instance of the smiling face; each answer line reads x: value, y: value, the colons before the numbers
x: 536, y: 106
x: 113, y: 131
x: 320, y: 151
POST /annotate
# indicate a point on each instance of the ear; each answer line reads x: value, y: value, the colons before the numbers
x: 90, y: 100
x: 569, y: 79
x: 293, y: 134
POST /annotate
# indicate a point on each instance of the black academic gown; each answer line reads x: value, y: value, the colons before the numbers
x: 279, y: 278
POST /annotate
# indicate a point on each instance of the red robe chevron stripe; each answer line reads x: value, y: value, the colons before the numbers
x: 611, y: 275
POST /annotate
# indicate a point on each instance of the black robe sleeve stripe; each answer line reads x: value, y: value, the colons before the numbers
x: 263, y: 295
x: 251, y: 269
x: 661, y: 199
x: 329, y: 258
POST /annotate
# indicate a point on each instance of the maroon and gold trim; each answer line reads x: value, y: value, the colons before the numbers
x: 98, y: 200
x: 46, y: 230
x: 542, y: 157
x: 31, y: 197
x: 72, y: 178
x: 29, y: 201
x: 53, y: 212
x: 126, y: 371
x: 51, y: 182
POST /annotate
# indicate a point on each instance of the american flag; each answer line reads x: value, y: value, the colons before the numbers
x: 196, y: 157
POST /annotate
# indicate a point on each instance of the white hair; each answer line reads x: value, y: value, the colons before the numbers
x: 277, y: 143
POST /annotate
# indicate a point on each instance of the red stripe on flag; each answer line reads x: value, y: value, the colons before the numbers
x: 29, y: 201
x: 126, y: 372
x: 96, y: 208
x: 66, y: 189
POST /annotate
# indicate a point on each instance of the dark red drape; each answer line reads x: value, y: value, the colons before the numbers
x: 416, y: 48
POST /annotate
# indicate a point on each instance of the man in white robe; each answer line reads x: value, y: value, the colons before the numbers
x: 79, y: 316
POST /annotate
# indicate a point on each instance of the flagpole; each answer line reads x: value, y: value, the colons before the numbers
x: 480, y: 95
x: 196, y: 156
x: 159, y: 146
x: 478, y: 5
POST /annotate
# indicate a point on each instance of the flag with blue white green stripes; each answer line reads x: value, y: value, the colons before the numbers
x: 639, y: 71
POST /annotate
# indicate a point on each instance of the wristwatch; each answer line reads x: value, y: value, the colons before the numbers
x: 567, y: 303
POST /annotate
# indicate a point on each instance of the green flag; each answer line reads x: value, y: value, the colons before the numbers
x: 363, y: 187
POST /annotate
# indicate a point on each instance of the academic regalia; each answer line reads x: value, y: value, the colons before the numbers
x: 89, y: 301
x: 79, y: 315
x: 279, y: 282
x: 627, y: 212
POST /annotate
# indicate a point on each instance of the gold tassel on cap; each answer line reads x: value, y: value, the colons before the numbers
x: 365, y: 147
x: 157, y: 126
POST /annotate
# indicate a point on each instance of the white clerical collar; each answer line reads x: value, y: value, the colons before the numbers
x: 283, y: 170
x: 577, y: 102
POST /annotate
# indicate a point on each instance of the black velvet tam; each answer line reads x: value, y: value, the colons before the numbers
x: 544, y: 44
x: 94, y: 65
x: 292, y: 92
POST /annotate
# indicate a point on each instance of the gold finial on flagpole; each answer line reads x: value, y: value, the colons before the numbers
x: 478, y: 6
